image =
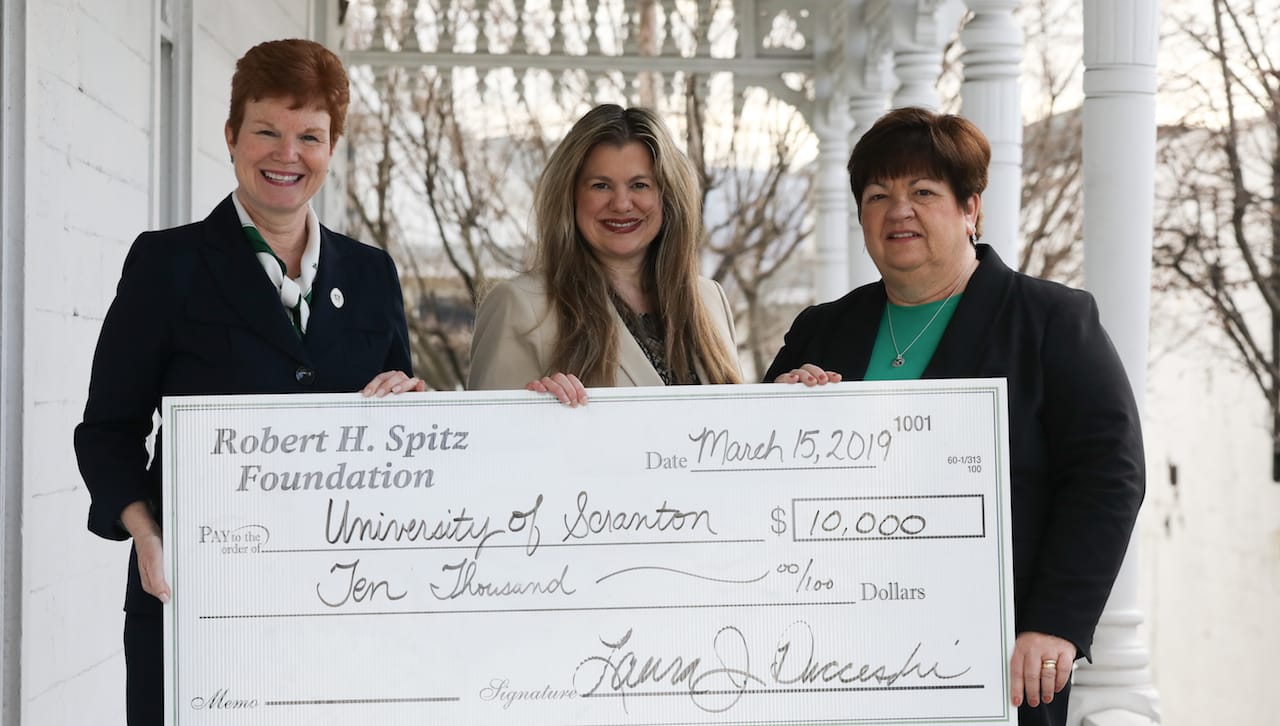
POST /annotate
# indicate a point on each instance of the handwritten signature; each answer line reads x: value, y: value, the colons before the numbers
x: 718, y: 685
x: 712, y: 689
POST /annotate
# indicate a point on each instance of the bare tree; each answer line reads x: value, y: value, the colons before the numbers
x: 377, y: 172
x: 450, y: 202
x: 374, y: 217
x: 1218, y: 234
x: 757, y: 216
x: 1052, y: 151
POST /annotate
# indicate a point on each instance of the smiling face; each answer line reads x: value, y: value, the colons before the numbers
x: 617, y: 203
x: 917, y: 232
x: 281, y: 157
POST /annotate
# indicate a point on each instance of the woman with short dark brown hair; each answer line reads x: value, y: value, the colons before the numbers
x: 948, y: 307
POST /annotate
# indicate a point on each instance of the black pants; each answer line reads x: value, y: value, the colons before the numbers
x: 1046, y: 714
x: 144, y: 668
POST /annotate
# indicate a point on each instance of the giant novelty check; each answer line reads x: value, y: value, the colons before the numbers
x: 757, y: 554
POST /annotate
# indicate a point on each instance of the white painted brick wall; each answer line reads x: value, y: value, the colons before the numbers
x: 87, y: 149
x: 1211, y: 544
x: 88, y: 185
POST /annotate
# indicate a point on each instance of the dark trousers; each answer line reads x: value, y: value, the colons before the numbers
x: 1046, y: 714
x: 144, y: 669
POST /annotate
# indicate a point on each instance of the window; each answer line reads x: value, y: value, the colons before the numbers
x: 171, y: 144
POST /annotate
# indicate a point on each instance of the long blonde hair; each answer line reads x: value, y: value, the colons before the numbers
x: 577, y: 286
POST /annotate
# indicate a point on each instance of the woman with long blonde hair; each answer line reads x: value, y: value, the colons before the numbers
x: 614, y: 298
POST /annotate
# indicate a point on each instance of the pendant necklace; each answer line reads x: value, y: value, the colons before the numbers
x: 900, y: 353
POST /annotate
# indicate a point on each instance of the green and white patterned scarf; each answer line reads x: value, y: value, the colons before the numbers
x: 295, y: 294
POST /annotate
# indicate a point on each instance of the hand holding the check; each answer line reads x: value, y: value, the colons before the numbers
x: 810, y: 375
x: 564, y: 386
x: 392, y: 382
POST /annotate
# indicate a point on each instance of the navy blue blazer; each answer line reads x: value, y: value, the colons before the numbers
x: 1075, y: 440
x: 195, y: 314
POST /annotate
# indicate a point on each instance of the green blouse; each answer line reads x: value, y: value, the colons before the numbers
x: 917, y: 331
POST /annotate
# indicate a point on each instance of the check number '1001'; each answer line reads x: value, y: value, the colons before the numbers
x: 913, y: 423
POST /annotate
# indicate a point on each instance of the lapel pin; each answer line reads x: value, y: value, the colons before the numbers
x: 336, y: 297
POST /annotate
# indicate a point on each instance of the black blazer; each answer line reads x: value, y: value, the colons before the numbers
x: 194, y: 313
x: 1075, y: 442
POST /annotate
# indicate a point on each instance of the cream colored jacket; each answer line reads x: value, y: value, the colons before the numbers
x: 515, y: 335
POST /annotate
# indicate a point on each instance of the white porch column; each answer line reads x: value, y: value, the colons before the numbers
x: 864, y: 109
x: 14, y: 89
x: 830, y: 123
x: 870, y: 88
x: 992, y: 99
x: 831, y: 197
x: 1120, y: 43
x: 331, y: 200
x: 918, y: 70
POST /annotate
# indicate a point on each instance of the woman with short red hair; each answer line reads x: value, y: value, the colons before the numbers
x: 257, y: 298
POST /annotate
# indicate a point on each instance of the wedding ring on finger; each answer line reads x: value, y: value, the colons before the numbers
x: 1049, y: 664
